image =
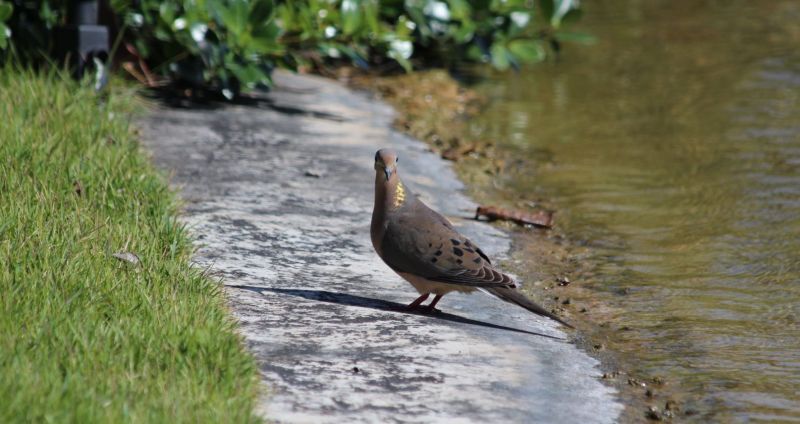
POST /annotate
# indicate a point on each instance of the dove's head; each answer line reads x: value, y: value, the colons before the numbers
x: 386, y: 162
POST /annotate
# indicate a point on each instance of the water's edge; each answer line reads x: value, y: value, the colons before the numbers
x: 433, y: 106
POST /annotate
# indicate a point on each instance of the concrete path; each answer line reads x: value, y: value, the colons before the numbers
x: 279, y: 197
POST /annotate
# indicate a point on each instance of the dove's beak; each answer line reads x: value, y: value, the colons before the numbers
x: 388, y: 172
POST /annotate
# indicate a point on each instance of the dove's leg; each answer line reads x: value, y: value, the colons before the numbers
x: 419, y: 300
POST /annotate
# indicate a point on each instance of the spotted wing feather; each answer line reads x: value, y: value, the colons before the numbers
x: 422, y: 242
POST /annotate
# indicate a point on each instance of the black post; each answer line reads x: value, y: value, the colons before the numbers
x: 81, y: 39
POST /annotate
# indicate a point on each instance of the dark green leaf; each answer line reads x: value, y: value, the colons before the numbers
x: 460, y: 10
x: 414, y: 10
x: 504, y: 6
x: 3, y: 36
x: 267, y: 34
x: 500, y: 56
x: 291, y: 62
x: 548, y: 7
x: 403, y: 28
x: 464, y: 32
x: 167, y: 11
x: 354, y: 55
x: 405, y: 63
x: 261, y: 11
x: 371, y: 15
x: 249, y: 75
x: 162, y: 34
x: 476, y: 54
x: 351, y: 16
x: 6, y: 9
x: 527, y: 51
x: 233, y: 15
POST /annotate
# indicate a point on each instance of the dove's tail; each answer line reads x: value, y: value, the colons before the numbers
x: 511, y: 295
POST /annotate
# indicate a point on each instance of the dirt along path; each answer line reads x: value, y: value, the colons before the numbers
x: 278, y: 194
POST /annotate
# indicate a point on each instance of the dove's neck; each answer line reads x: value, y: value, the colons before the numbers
x: 389, y: 195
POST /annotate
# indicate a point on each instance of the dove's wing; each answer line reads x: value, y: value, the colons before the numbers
x: 423, y: 243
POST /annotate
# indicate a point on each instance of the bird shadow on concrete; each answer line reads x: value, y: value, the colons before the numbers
x: 382, y: 305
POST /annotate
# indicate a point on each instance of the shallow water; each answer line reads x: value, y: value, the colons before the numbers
x: 672, y: 148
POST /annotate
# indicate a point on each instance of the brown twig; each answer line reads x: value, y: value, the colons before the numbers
x: 543, y: 219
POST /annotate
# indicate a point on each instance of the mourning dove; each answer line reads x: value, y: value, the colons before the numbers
x: 423, y: 247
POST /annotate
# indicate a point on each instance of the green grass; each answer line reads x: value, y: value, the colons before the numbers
x: 85, y: 337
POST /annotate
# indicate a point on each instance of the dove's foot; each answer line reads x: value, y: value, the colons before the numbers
x: 435, y: 300
x: 431, y: 310
x: 415, y: 304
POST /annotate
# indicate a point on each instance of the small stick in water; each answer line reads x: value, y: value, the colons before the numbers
x: 542, y: 219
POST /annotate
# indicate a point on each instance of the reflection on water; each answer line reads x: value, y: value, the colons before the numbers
x: 673, y: 145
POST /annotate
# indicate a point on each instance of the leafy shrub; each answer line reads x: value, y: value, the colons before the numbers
x: 234, y: 44
x: 30, y: 26
x: 224, y: 43
x: 503, y: 32
x: 6, y: 9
